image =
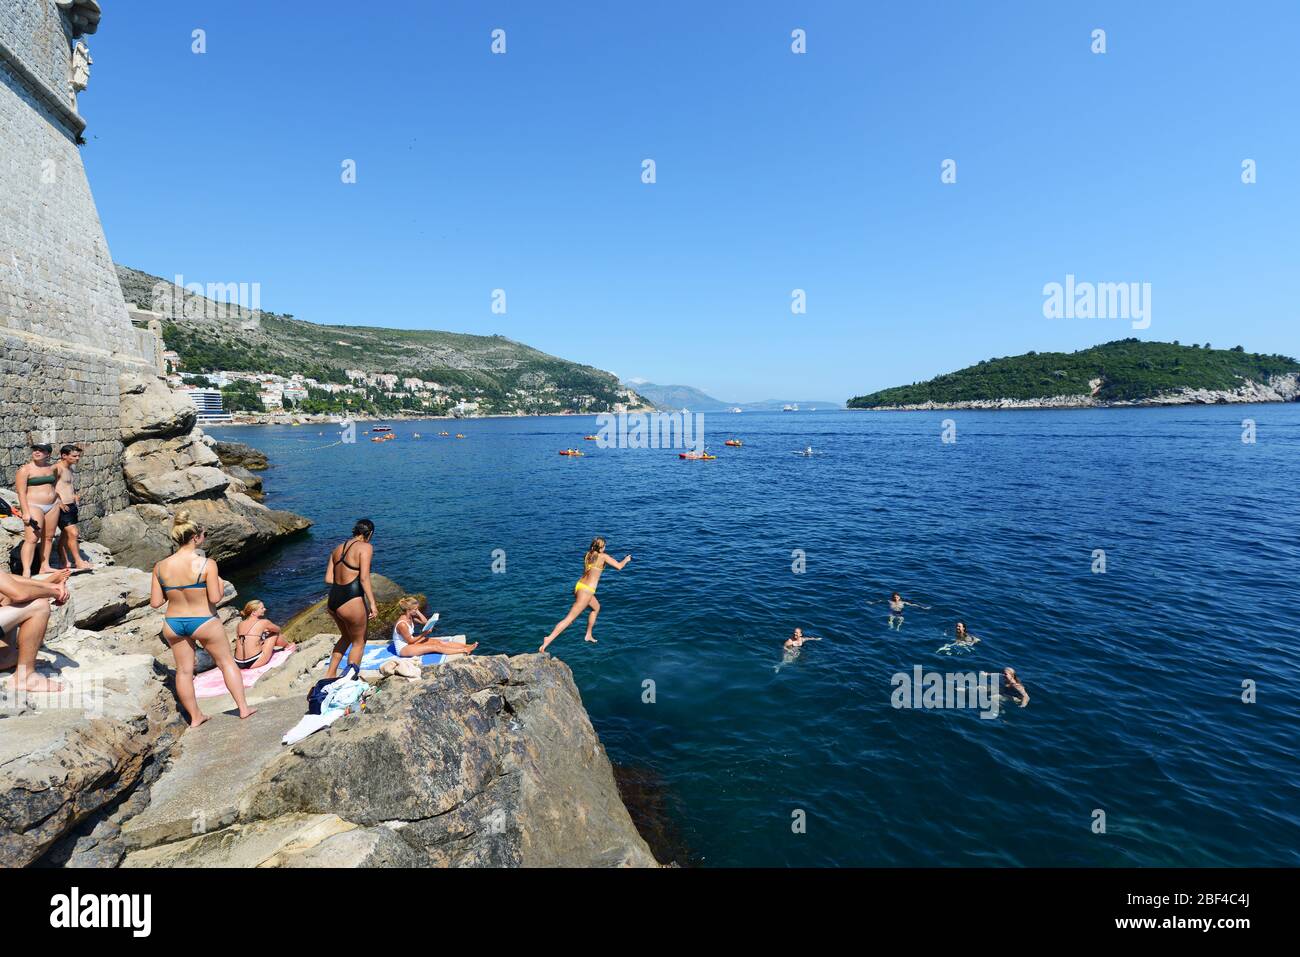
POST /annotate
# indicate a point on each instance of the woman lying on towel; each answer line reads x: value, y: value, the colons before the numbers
x: 408, y: 645
x: 256, y: 637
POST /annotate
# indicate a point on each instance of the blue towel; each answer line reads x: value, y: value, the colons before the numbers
x: 376, y: 654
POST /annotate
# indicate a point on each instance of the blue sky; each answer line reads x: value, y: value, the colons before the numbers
x: 775, y: 171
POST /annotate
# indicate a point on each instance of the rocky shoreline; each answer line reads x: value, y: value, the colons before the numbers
x: 1284, y: 388
x: 482, y: 761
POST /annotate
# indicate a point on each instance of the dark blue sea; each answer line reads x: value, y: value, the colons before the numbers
x: 1135, y: 675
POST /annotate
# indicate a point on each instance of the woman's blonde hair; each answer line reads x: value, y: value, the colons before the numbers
x: 251, y: 607
x: 184, y: 528
x: 597, y: 546
x: 409, y: 603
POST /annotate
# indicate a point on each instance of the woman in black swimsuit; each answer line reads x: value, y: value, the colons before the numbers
x: 348, y: 575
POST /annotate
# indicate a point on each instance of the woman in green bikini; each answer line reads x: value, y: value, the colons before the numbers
x: 38, y: 500
x: 584, y: 592
x: 190, y: 586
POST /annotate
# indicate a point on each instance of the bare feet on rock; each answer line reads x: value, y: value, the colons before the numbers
x: 36, y: 683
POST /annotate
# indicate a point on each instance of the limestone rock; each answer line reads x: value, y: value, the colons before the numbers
x: 242, y: 480
x: 486, y: 761
x: 61, y: 763
x: 150, y: 409
x: 163, y: 488
x: 238, y: 529
x: 138, y: 536
x: 238, y: 454
x: 108, y: 595
x: 144, y: 462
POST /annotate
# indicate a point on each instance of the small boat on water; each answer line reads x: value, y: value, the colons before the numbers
x: 693, y: 457
x: 381, y: 428
x: 444, y: 433
x: 590, y: 438
x: 571, y: 452
x: 734, y: 443
x: 459, y: 436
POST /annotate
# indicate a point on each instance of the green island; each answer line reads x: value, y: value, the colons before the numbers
x: 1124, y: 371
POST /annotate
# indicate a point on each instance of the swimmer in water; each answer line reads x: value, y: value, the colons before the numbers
x: 796, y: 640
x: 963, y: 640
x: 792, y: 646
x: 1012, y: 687
x: 896, y: 606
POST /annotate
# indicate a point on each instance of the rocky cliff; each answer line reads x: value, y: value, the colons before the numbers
x: 168, y: 461
x: 483, y: 761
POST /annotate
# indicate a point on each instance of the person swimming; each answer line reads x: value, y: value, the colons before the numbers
x: 190, y: 585
x: 256, y: 637
x: 344, y: 595
x: 1013, y: 688
x: 896, y: 606
x: 584, y: 592
x: 792, y: 646
x: 797, y: 640
x: 963, y: 637
x: 410, y: 645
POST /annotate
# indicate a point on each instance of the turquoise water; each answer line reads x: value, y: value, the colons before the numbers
x: 1135, y: 674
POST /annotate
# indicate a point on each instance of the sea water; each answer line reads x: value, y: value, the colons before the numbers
x: 1137, y: 568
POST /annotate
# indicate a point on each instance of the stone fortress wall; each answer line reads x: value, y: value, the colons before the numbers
x: 64, y: 326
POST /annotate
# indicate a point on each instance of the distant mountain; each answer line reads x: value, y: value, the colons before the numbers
x: 1126, y: 372
x: 503, y: 375
x: 674, y: 397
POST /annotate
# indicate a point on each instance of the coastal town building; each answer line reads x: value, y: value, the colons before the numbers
x: 209, y: 405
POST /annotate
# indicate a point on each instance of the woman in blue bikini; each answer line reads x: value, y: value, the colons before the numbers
x: 190, y: 586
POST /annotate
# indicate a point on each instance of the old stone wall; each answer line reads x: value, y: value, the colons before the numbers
x: 64, y: 327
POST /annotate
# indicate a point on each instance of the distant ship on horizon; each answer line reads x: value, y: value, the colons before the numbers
x: 794, y: 407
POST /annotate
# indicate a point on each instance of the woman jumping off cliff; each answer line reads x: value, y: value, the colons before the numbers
x: 584, y: 591
x: 348, y: 574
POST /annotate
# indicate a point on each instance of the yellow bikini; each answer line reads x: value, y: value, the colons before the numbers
x: 586, y: 567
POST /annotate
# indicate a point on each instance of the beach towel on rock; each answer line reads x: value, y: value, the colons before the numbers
x: 376, y: 654
x: 210, y: 684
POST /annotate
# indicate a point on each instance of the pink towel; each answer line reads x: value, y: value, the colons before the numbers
x: 210, y: 684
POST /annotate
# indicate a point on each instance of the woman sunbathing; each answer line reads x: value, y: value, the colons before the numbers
x: 256, y: 637
x: 409, y: 645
